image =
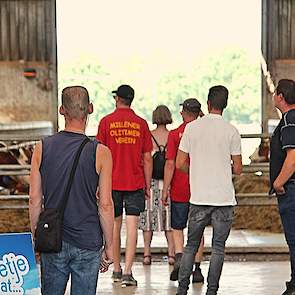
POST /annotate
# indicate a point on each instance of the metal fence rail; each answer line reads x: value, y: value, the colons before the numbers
x: 244, y: 199
x: 25, y: 169
x: 256, y: 135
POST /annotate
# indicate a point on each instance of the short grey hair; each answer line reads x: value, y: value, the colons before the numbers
x: 75, y: 100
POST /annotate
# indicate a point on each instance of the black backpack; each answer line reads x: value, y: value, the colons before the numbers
x: 159, y: 161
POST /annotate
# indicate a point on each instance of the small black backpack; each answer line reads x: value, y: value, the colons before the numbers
x: 159, y: 161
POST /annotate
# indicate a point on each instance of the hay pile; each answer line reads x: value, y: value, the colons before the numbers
x: 255, y: 217
x: 14, y: 220
x: 246, y: 217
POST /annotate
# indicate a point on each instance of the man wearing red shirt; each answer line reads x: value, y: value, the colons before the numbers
x: 128, y: 137
x: 179, y: 192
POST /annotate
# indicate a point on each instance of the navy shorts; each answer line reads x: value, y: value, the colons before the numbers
x: 179, y: 214
x: 133, y: 201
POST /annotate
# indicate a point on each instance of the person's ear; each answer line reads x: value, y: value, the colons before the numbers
x: 62, y: 110
x: 281, y: 97
x: 208, y: 105
x: 90, y: 108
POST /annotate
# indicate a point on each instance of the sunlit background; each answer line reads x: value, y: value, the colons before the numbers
x: 167, y: 51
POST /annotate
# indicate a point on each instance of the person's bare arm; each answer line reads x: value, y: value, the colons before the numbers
x: 287, y: 171
x: 237, y: 164
x: 168, y: 175
x: 148, y: 170
x: 36, y: 194
x: 105, y: 202
x: 181, y: 161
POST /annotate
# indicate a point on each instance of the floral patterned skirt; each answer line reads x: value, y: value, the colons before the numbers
x: 156, y: 216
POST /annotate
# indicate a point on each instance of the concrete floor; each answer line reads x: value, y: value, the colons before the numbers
x: 238, y: 277
x: 241, y: 241
x: 247, y: 278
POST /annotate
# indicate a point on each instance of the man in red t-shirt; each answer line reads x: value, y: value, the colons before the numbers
x: 128, y: 137
x: 176, y: 186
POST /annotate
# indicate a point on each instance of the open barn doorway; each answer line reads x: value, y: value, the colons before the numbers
x: 168, y: 51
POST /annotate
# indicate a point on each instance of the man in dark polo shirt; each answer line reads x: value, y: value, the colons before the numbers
x: 282, y: 167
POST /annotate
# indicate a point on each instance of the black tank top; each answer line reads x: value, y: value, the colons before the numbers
x: 81, y: 220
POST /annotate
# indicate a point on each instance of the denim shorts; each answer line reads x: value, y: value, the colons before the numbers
x: 133, y: 201
x: 179, y: 214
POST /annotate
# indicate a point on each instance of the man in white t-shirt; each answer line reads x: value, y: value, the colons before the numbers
x: 214, y: 148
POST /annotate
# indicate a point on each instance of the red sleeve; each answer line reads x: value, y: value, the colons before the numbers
x: 147, y: 139
x: 101, y: 132
x: 171, y: 151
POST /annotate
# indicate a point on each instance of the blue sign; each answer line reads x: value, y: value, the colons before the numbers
x: 18, y: 270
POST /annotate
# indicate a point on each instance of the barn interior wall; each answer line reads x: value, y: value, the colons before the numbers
x: 28, y: 40
x: 278, y: 44
x: 27, y: 99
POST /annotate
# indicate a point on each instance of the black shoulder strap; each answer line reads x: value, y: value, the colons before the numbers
x: 159, y: 146
x: 71, y: 178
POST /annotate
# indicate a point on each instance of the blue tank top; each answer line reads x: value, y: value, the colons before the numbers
x: 81, y: 227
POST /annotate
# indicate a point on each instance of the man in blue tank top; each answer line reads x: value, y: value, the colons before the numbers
x: 88, y: 217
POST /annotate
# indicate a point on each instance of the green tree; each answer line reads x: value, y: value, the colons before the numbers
x: 170, y: 85
x: 231, y: 68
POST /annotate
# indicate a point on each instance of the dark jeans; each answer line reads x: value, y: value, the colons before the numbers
x: 287, y: 211
x: 220, y: 217
x: 82, y: 265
